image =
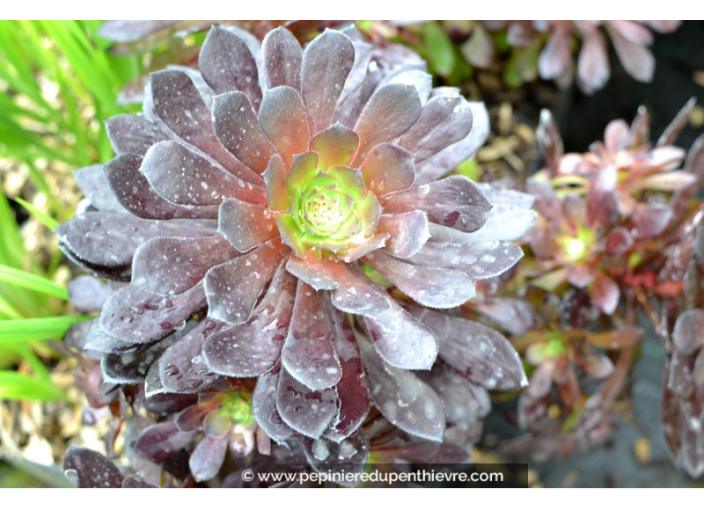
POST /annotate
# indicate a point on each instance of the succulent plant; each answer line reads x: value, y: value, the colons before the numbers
x: 263, y: 210
x: 546, y: 48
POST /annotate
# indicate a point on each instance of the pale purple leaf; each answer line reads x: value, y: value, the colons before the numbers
x: 402, y: 398
x: 184, y: 177
x: 479, y: 353
x: 306, y: 411
x: 284, y: 121
x: 388, y: 168
x: 88, y: 469
x: 688, y: 335
x: 453, y: 202
x: 237, y: 127
x: 253, y: 348
x: 172, y: 265
x: 408, y: 232
x: 207, y: 458
x: 282, y: 59
x: 246, y: 225
x: 327, y: 61
x: 132, y: 134
x: 308, y: 353
x: 233, y: 288
x: 430, y: 286
x: 264, y: 407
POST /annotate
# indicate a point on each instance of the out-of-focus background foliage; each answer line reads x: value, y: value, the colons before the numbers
x: 59, y: 81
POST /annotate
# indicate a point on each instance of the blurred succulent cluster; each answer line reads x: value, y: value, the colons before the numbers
x: 615, y: 240
x: 523, y: 50
x: 286, y: 266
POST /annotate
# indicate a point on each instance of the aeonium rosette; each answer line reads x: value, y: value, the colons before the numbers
x: 284, y: 190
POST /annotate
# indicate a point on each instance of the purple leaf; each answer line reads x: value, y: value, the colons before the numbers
x: 430, y: 286
x: 132, y: 134
x: 88, y: 469
x: 207, y: 458
x: 348, y: 455
x: 357, y: 294
x: 453, y: 202
x: 253, y: 348
x: 401, y: 340
x: 284, y: 121
x: 511, y: 315
x: 402, y: 398
x: 141, y: 317
x: 237, y: 127
x: 180, y: 106
x: 407, y: 232
x: 282, y: 59
x: 480, y: 260
x: 158, y: 442
x: 133, y: 191
x: 114, y: 238
x: 318, y: 273
x: 227, y: 64
x: 184, y: 177
x: 94, y: 185
x: 480, y: 354
x: 336, y: 146
x: 688, y: 335
x: 351, y: 389
x: 246, y: 225
x: 388, y: 114
x: 443, y: 122
x: 264, y: 407
x: 275, y: 178
x: 233, y: 288
x: 327, y: 62
x: 308, y: 353
x: 388, y: 168
x: 306, y: 411
x: 182, y: 368
x: 172, y: 265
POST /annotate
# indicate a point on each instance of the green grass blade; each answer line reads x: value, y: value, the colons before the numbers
x: 33, y: 282
x: 44, y: 218
x: 27, y: 330
x: 15, y: 386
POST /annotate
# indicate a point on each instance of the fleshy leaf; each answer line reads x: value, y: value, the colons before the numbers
x: 233, y: 288
x: 133, y: 191
x: 357, y: 294
x: 184, y: 177
x: 284, y: 121
x: 401, y: 340
x: 453, y: 202
x: 114, y: 238
x: 158, y: 442
x: 444, y: 121
x: 237, y: 127
x: 408, y: 232
x: 275, y: 178
x: 351, y: 388
x: 308, y: 353
x: 207, y: 458
x: 336, y: 146
x: 142, y: 317
x: 306, y: 411
x: 172, y: 265
x: 94, y: 185
x: 388, y: 168
x: 327, y: 62
x: 246, y: 225
x: 253, y: 348
x: 475, y: 351
x: 182, y: 368
x: 282, y: 59
x: 179, y: 105
x: 89, y: 469
x: 318, y: 273
x: 264, y: 408
x: 227, y: 64
x: 132, y: 134
x: 430, y: 286
x: 688, y: 335
x: 481, y: 260
x: 390, y: 112
x: 402, y: 398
